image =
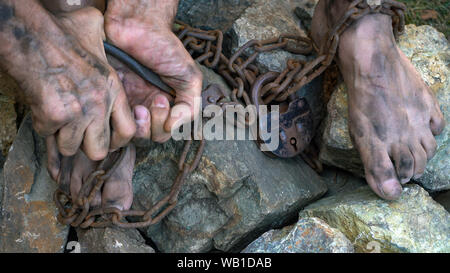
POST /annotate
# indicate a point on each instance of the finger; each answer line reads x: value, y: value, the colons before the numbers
x: 70, y: 137
x: 96, y: 139
x: 82, y: 168
x: 122, y: 122
x: 53, y: 157
x: 118, y: 191
x: 187, y: 102
x: 49, y: 120
x: 143, y: 122
x: 159, y: 112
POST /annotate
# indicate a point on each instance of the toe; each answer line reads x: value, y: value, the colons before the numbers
x: 380, y: 174
x: 404, y: 162
x: 437, y: 122
x: 420, y: 160
x: 429, y: 145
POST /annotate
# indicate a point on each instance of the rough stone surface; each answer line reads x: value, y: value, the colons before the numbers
x: 266, y: 19
x: 236, y: 194
x: 339, y: 181
x: 429, y: 52
x: 28, y: 215
x: 112, y: 240
x: 8, y: 85
x: 208, y: 14
x: 8, y: 127
x: 307, y: 5
x: 308, y: 235
x: 414, y: 223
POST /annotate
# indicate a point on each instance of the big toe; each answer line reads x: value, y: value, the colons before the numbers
x: 381, y: 175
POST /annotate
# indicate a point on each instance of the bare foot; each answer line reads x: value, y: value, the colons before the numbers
x: 393, y: 115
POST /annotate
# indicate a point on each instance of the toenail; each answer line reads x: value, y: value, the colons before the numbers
x: 391, y: 189
x: 405, y: 180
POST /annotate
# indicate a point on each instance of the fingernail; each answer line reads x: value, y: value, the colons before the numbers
x: 140, y: 114
x: 159, y: 102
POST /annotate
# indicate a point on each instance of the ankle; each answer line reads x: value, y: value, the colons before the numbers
x: 367, y: 37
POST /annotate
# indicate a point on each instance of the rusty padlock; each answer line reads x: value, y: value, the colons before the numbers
x: 296, y: 124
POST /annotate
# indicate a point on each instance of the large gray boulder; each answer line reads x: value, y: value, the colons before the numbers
x: 266, y: 19
x: 429, y: 52
x: 28, y: 214
x: 236, y: 193
x: 112, y: 240
x: 414, y: 223
x: 208, y: 14
x: 308, y: 235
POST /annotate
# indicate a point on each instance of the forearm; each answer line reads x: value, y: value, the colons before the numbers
x: 25, y: 27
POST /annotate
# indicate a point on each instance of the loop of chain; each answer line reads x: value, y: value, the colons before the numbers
x: 243, y: 76
x: 78, y: 213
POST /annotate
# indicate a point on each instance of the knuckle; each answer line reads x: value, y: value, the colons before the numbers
x: 55, y: 114
x: 39, y: 128
x: 67, y: 150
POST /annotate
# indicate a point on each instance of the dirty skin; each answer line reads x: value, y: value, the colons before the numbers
x: 393, y: 115
x: 150, y: 105
x: 396, y: 142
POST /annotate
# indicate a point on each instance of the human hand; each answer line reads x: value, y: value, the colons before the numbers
x: 143, y: 29
x: 73, y: 93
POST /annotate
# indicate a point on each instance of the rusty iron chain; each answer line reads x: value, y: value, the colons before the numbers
x: 249, y: 85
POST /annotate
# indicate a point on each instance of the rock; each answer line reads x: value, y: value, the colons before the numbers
x: 8, y: 85
x: 207, y: 14
x: 28, y: 215
x: 236, y: 194
x: 266, y: 19
x: 112, y: 240
x: 429, y: 52
x: 8, y: 127
x: 309, y: 235
x: 339, y: 181
x: 414, y: 223
x: 305, y: 11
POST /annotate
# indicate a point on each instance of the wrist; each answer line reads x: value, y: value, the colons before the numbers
x: 127, y: 21
x: 155, y: 13
x: 21, y: 32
